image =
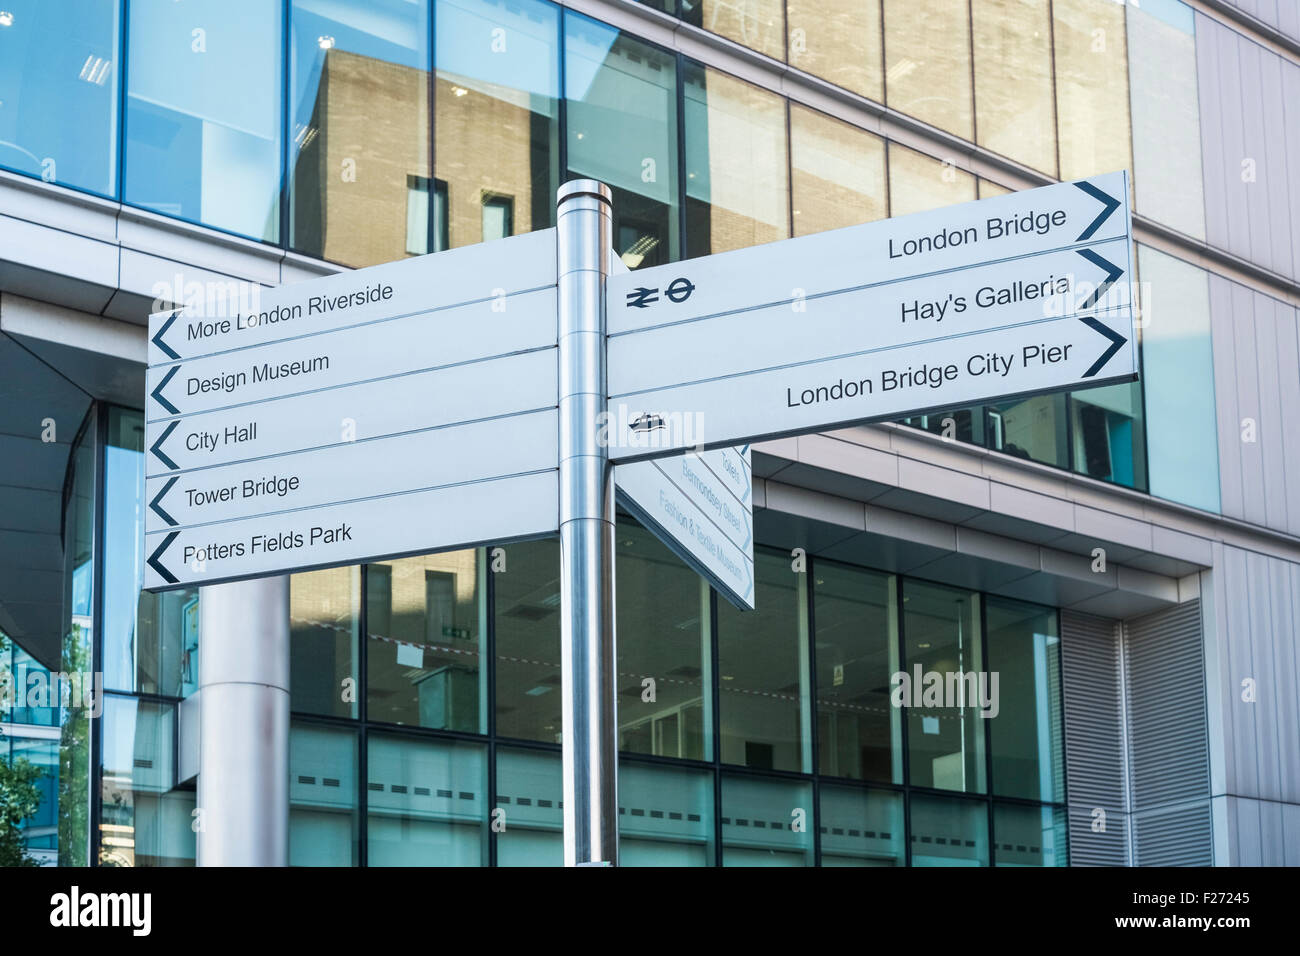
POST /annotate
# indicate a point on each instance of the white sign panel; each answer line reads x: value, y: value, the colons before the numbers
x: 981, y: 302
x: 343, y: 427
x: 700, y: 506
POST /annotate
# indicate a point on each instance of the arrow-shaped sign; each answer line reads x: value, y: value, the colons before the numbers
x: 1113, y: 272
x: 158, y: 340
x: 157, y: 390
x: 157, y: 508
x: 1106, y: 199
x: 156, y: 447
x: 157, y: 565
x: 1116, y: 343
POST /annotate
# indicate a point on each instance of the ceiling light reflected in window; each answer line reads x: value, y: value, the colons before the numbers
x: 6, y: 18
x: 325, y: 42
x: 95, y: 70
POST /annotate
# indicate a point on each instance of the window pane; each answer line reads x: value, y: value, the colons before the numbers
x: 757, y: 24
x: 203, y: 113
x: 766, y: 822
x: 622, y: 131
x: 1014, y: 112
x: 322, y: 796
x: 498, y: 85
x: 1107, y: 427
x: 426, y: 802
x: 144, y: 821
x: 1029, y: 836
x: 1178, y: 376
x: 527, y: 629
x: 763, y: 666
x: 859, y: 734
x: 1091, y: 87
x: 944, y: 688
x: 426, y: 617
x: 665, y: 816
x: 529, y: 788
x: 735, y: 163
x: 949, y: 831
x: 861, y: 827
x: 1167, y: 181
x: 1033, y: 428
x: 1025, y: 733
x: 359, y: 85
x: 927, y: 62
x: 838, y: 40
x: 918, y: 182
x: 324, y: 626
x: 58, y: 92
x: 40, y: 831
x: 663, y: 637
x: 838, y: 173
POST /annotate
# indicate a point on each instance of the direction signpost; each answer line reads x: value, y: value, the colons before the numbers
x: 505, y: 390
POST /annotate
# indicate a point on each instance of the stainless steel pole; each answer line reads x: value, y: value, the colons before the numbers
x: 243, y: 789
x: 590, y: 739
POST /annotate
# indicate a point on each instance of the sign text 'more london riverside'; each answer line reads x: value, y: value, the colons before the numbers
x: 199, y: 328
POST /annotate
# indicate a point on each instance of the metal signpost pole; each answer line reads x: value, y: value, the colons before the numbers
x: 243, y: 798
x: 590, y: 743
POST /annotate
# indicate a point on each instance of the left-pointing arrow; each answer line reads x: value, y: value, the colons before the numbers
x: 157, y: 391
x: 156, y: 447
x: 158, y: 337
x: 158, y: 565
x: 1116, y: 343
x: 157, y: 508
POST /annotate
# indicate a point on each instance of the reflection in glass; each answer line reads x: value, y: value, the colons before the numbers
x: 665, y: 816
x: 1014, y: 113
x: 1026, y: 736
x: 527, y: 630
x: 143, y: 820
x: 663, y: 638
x: 1091, y: 87
x: 763, y: 671
x: 426, y: 802
x: 927, y: 62
x: 359, y: 92
x: 861, y: 827
x: 426, y: 618
x: 496, y: 96
x: 1106, y: 424
x: 949, y: 831
x: 324, y: 624
x: 529, y: 789
x: 1167, y: 179
x: 1032, y: 428
x: 203, y: 113
x: 757, y: 24
x: 837, y: 173
x: 944, y: 665
x: 322, y: 796
x: 859, y: 733
x: 621, y: 95
x: 766, y: 822
x: 59, y: 69
x: 1029, y: 836
x: 838, y: 40
x: 736, y: 194
x: 918, y: 182
x: 1178, y: 377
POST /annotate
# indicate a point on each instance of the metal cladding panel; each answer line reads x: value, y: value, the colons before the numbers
x: 1094, y: 739
x: 1165, y: 678
x: 1181, y: 836
x: 1252, y: 208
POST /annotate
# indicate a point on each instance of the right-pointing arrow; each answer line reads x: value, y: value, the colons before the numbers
x: 1106, y: 199
x: 1113, y: 272
x: 157, y: 337
x: 157, y: 508
x: 1116, y: 343
x: 156, y: 447
x: 157, y: 390
x: 157, y: 565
